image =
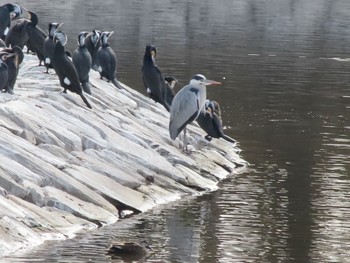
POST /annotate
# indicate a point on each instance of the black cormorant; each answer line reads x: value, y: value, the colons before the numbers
x: 106, y: 60
x: 65, y: 69
x: 93, y: 43
x: 170, y: 83
x: 13, y: 59
x: 210, y: 121
x: 3, y: 72
x: 49, y: 46
x: 153, y: 79
x: 36, y: 37
x: 7, y: 13
x: 17, y: 35
x: 82, y: 62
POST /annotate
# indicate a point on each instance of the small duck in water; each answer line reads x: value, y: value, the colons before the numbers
x: 129, y: 250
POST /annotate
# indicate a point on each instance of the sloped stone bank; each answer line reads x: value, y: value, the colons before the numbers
x: 65, y: 167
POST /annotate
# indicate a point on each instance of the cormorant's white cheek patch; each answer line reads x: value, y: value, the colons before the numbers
x: 82, y: 41
x: 66, y: 81
x: 47, y: 60
x: 149, y: 91
x: 94, y: 39
x: 6, y: 31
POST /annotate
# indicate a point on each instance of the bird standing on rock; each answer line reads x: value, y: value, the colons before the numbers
x: 82, y: 62
x: 156, y: 86
x: 7, y: 13
x: 65, y: 69
x: 49, y: 46
x: 210, y: 121
x: 106, y: 60
x: 187, y: 105
x: 13, y: 59
x: 170, y: 83
x: 17, y: 35
x: 93, y: 43
x: 3, y: 71
x: 36, y: 37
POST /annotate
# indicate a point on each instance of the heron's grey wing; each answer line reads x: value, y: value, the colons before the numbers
x: 184, y: 109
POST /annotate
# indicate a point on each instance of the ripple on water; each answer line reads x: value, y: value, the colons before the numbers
x: 331, y: 200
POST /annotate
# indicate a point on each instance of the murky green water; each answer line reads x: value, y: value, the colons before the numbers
x: 286, y: 98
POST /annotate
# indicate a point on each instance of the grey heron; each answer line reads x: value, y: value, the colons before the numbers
x: 158, y: 88
x: 211, y: 122
x: 187, y: 105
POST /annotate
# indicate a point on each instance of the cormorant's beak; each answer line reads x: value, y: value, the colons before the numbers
x: 59, y: 25
x: 8, y: 55
x: 13, y: 15
x: 211, y: 82
x: 24, y: 9
x: 17, y: 12
x: 173, y: 83
x: 153, y: 56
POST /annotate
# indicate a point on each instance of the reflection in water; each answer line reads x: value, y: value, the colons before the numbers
x: 285, y: 98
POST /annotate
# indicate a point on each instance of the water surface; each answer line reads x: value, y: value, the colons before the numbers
x: 285, y: 97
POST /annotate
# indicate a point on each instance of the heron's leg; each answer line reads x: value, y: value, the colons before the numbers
x: 184, y: 147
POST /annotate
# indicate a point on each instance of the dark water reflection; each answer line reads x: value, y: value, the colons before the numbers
x: 285, y: 69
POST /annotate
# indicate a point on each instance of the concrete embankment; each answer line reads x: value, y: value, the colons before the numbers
x: 65, y: 167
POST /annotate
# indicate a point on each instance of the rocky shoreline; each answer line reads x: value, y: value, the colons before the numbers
x: 65, y: 167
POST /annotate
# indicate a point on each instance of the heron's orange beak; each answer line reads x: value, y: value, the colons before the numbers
x: 211, y: 82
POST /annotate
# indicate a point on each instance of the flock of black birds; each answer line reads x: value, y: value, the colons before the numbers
x: 94, y: 52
